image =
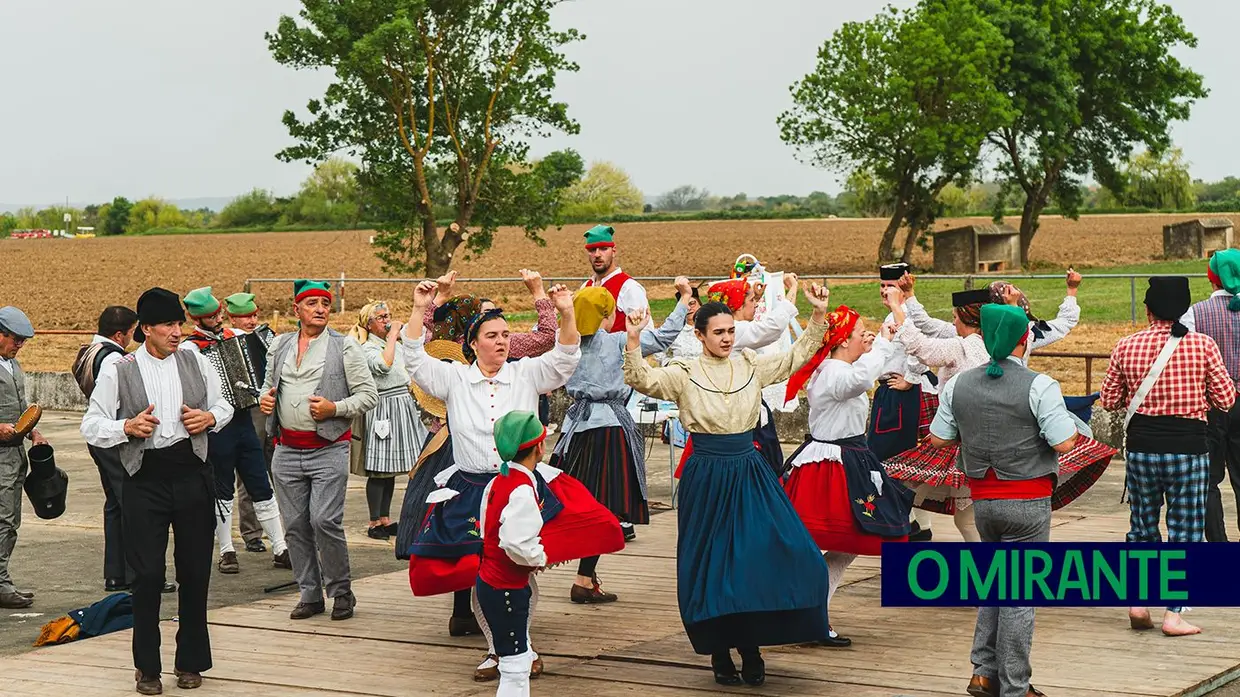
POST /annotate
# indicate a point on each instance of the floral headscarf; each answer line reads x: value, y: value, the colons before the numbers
x: 996, y: 297
x: 840, y: 326
x: 731, y: 293
x: 452, y: 319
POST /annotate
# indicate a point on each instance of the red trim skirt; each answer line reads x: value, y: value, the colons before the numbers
x: 819, y: 493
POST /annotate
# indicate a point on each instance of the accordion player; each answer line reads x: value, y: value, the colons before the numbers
x: 241, y: 362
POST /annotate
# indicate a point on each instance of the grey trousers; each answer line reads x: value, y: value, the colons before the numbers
x: 1003, y: 638
x: 310, y: 488
x: 12, y: 477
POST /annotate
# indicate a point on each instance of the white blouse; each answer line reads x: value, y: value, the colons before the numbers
x: 839, y: 405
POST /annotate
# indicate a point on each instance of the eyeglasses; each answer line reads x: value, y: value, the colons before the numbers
x: 19, y: 340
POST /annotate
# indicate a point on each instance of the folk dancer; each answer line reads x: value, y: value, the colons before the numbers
x: 741, y: 296
x: 15, y: 331
x: 600, y: 444
x: 1009, y: 422
x: 114, y: 333
x: 236, y: 450
x: 156, y: 406
x: 1168, y: 379
x: 629, y: 295
x: 447, y: 320
x: 317, y: 382
x: 904, y: 401
x: 740, y: 539
x: 511, y: 521
x: 1218, y: 317
x: 390, y: 436
x: 445, y: 551
x: 243, y: 318
x: 1043, y: 333
x: 837, y: 486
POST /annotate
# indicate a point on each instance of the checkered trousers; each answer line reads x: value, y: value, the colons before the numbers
x: 1183, y: 480
x: 1194, y: 381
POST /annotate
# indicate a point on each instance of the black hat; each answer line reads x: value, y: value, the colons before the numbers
x: 892, y: 272
x: 971, y: 297
x: 157, y: 306
x: 1168, y: 298
x: 47, y: 486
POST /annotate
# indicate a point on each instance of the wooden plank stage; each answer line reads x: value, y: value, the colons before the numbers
x: 399, y: 646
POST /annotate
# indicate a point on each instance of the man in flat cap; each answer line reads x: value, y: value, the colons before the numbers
x: 1168, y: 379
x: 15, y: 330
x: 156, y: 406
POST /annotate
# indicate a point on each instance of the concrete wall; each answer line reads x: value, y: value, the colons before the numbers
x: 1191, y: 240
x: 1005, y: 248
x: 54, y: 391
x: 953, y: 251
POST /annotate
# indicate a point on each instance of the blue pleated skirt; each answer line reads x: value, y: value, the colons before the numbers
x: 748, y: 572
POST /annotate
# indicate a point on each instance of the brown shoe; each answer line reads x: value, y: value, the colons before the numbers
x: 536, y: 670
x: 591, y: 596
x: 342, y: 607
x: 188, y: 681
x: 981, y: 686
x: 489, y: 673
x: 281, y: 561
x: 24, y: 594
x: 12, y: 601
x: 229, y: 564
x: 305, y: 611
x: 148, y: 685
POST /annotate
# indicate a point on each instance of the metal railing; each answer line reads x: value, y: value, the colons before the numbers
x: 1089, y: 362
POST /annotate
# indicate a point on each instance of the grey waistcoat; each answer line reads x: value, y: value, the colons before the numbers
x: 133, y: 399
x: 998, y: 430
x: 333, y: 385
x: 12, y: 404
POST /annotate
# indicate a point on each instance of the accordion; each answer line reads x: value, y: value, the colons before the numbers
x: 241, y: 363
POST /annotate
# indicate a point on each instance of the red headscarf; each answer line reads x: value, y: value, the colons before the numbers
x: 731, y: 293
x: 840, y: 326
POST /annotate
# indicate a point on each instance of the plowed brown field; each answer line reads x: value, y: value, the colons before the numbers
x: 63, y: 284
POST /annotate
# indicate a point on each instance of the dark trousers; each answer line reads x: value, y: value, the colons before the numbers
x: 112, y: 477
x: 237, y: 451
x: 1223, y: 438
x: 173, y: 489
x: 507, y: 612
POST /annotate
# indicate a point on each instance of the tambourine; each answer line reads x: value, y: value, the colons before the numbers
x: 28, y: 420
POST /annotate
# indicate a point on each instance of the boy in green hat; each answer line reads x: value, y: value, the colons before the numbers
x: 629, y: 295
x: 1010, y: 422
x: 512, y: 548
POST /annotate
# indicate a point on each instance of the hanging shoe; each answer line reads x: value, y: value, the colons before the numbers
x: 595, y: 595
x: 725, y: 670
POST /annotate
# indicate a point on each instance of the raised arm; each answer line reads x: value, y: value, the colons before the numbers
x: 552, y: 370
x: 935, y: 353
x: 656, y: 340
x: 436, y: 377
x: 779, y: 367
x: 542, y: 338
x: 930, y: 326
x: 660, y: 383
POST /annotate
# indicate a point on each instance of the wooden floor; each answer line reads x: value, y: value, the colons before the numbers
x: 399, y: 646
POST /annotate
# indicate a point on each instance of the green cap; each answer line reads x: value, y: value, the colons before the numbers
x: 200, y: 303
x: 304, y: 289
x: 600, y: 236
x: 240, y: 305
x: 1225, y: 264
x: 1003, y: 328
x: 516, y: 431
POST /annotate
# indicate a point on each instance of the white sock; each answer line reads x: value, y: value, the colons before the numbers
x: 223, y: 525
x: 268, y: 514
x: 514, y: 675
x: 966, y: 526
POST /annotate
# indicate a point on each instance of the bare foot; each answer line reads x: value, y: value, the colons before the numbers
x: 1139, y: 618
x: 1174, y: 625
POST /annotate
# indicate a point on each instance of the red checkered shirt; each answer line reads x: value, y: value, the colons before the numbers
x: 1194, y: 381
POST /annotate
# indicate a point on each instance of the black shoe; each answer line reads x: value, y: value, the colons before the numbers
x: 29, y: 595
x: 115, y: 585
x: 305, y: 611
x: 255, y: 546
x: 342, y: 608
x: 629, y: 530
x: 835, y: 641
x: 463, y: 626
x: 281, y: 561
x: 13, y: 601
x: 724, y: 668
x: 392, y: 528
x: 169, y: 588
x: 148, y: 684
x: 753, y: 669
x: 377, y: 532
x: 919, y: 535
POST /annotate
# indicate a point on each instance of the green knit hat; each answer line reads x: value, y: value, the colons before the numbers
x: 303, y: 289
x: 600, y: 236
x: 1004, y: 327
x: 240, y: 305
x: 1225, y: 264
x: 516, y: 431
x: 200, y: 303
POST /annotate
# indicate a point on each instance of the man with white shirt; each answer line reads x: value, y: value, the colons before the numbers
x: 155, y: 406
x: 236, y: 450
x: 1219, y: 318
x: 629, y: 295
x: 15, y: 330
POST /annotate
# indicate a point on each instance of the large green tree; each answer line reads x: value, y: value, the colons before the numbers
x: 438, y: 99
x: 907, y: 98
x: 1089, y: 80
x: 1158, y: 181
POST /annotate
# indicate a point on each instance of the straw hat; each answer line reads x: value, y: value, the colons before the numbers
x: 440, y: 350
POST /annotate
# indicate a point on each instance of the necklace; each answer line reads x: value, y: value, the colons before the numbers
x: 731, y: 376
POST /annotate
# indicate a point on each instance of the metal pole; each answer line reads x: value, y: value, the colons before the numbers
x: 1132, y: 298
x: 341, y: 289
x: 247, y: 285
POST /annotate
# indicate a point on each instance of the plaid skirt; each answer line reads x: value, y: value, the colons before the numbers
x: 942, y: 488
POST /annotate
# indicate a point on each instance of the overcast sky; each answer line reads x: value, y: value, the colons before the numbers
x: 181, y: 99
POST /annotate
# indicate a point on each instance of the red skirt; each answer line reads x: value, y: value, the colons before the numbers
x: 819, y: 493
x: 584, y: 528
